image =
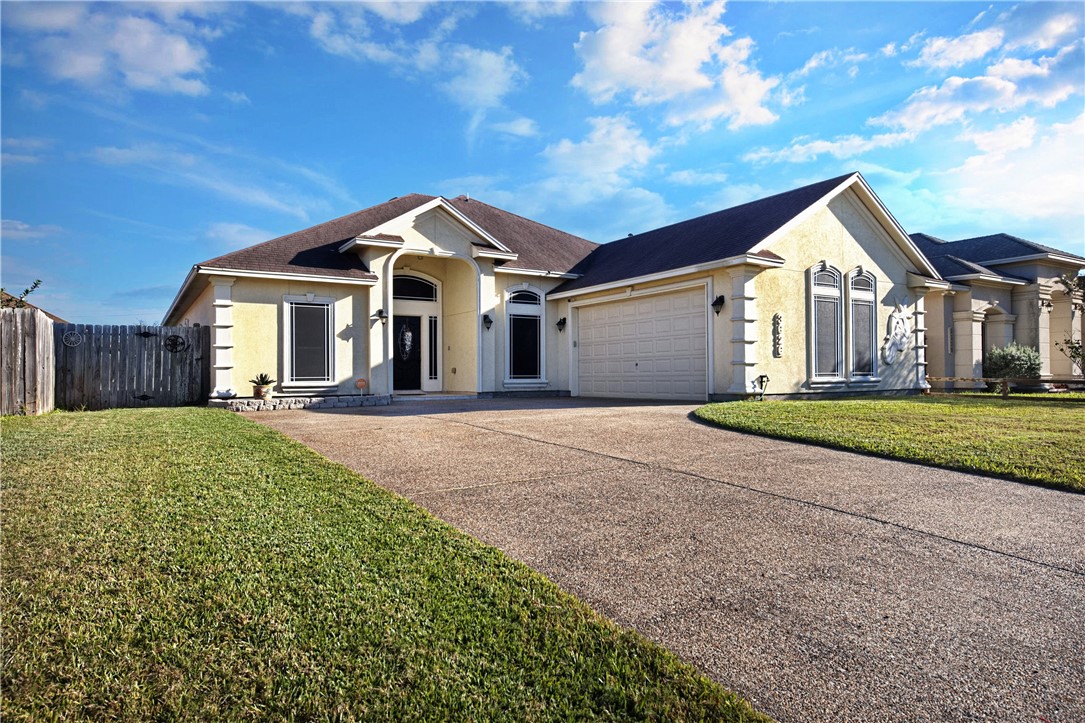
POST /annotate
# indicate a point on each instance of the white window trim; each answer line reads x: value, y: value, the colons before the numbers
x: 811, y: 320
x: 288, y: 341
x: 538, y: 310
x: 852, y: 295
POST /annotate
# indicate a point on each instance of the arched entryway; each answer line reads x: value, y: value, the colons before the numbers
x: 416, y: 333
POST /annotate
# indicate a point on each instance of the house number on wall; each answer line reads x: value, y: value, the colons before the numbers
x: 777, y: 336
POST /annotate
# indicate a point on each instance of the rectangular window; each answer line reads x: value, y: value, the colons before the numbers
x: 525, y: 346
x: 310, y: 342
x: 433, y: 348
x: 862, y: 351
x: 826, y: 337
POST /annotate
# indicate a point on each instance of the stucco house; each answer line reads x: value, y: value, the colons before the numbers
x: 1005, y: 289
x: 810, y: 292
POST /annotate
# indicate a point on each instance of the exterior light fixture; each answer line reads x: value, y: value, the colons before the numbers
x: 383, y: 316
x: 717, y: 305
x: 561, y: 324
x: 487, y: 321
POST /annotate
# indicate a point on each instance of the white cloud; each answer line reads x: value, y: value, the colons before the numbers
x: 189, y: 169
x: 1041, y: 26
x: 659, y: 55
x: 941, y: 52
x: 802, y: 150
x: 833, y: 57
x: 612, y: 147
x: 1009, y: 85
x: 482, y: 77
x: 103, y: 45
x: 13, y: 230
x: 400, y: 13
x: 236, y: 97
x: 1024, y: 172
x: 519, y: 127
x: 232, y: 236
x: 696, y: 178
x: 999, y: 141
x: 532, y: 12
x: 23, y: 150
x: 644, y: 49
x: 148, y: 154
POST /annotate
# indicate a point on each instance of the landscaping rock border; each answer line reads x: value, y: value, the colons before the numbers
x: 282, y: 403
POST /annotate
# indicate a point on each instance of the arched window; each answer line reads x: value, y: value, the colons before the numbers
x: 826, y: 332
x: 524, y: 312
x: 862, y: 323
x: 413, y: 288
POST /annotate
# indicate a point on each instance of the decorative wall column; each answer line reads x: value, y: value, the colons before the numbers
x: 222, y: 338
x: 968, y: 346
x: 1033, y: 306
x: 1000, y: 329
x: 920, y: 314
x: 743, y: 305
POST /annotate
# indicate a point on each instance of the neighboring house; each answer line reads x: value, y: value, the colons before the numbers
x: 1005, y: 290
x: 814, y: 291
x: 7, y: 301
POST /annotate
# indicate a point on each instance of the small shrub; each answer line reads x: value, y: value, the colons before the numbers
x: 1014, y: 361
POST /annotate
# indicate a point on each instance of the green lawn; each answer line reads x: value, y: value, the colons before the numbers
x: 188, y: 563
x: 1036, y: 441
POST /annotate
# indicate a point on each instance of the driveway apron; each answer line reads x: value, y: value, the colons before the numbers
x: 820, y: 585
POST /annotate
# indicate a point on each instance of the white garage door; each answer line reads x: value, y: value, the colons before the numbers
x: 650, y: 347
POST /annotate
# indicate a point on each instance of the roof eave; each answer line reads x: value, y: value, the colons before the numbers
x: 988, y: 279
x: 180, y: 293
x: 1057, y: 258
x: 361, y: 242
x: 748, y: 259
x: 249, y: 273
x: 536, y: 272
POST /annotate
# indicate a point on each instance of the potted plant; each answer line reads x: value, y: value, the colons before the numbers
x: 261, y: 385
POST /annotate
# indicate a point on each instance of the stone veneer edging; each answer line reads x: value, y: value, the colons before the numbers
x: 280, y: 403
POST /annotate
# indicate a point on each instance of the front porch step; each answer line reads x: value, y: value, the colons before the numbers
x: 415, y: 398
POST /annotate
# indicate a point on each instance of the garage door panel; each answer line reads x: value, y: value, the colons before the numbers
x: 652, y: 348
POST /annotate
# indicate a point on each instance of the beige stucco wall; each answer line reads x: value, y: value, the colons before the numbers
x: 845, y: 236
x: 200, y: 312
x: 258, y: 306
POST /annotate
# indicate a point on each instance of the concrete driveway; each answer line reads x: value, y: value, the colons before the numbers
x: 820, y: 585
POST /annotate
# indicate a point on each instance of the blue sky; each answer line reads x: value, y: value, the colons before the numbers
x: 139, y: 139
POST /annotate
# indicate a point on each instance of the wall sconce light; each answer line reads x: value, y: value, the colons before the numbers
x: 561, y: 324
x: 487, y: 321
x: 383, y: 316
x: 1046, y: 304
x: 717, y: 305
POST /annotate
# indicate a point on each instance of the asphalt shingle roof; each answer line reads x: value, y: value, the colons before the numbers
x: 715, y: 236
x: 538, y: 246
x: 315, y: 250
x: 971, y: 256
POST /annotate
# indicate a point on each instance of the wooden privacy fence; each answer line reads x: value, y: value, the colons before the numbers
x: 26, y: 361
x: 104, y: 367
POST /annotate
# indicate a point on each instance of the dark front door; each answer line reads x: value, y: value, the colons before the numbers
x: 407, y: 347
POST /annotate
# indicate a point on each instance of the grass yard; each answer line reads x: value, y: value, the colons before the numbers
x: 190, y: 564
x: 1028, y: 440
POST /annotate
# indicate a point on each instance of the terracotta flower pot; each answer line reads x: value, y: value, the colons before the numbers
x: 261, y: 391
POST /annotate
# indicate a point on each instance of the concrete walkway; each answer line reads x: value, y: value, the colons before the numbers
x: 821, y: 585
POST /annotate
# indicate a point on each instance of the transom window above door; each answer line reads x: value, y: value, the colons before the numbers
x: 413, y: 288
